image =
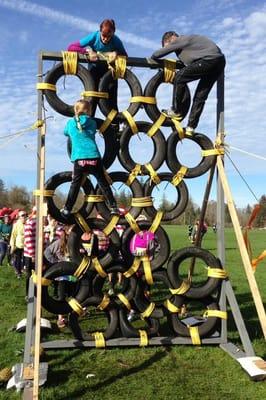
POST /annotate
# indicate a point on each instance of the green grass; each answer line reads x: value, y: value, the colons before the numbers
x: 177, y: 372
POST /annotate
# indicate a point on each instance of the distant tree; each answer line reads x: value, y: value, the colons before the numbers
x: 19, y: 197
x: 3, y: 194
x: 123, y: 199
x: 261, y: 218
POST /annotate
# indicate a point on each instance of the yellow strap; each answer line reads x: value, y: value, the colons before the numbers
x: 169, y: 70
x: 171, y: 307
x: 111, y: 226
x: 157, y: 124
x: 82, y: 223
x: 194, y: 333
x: 141, y: 201
x: 97, y: 265
x: 215, y: 313
x: 156, y: 221
x: 144, y: 341
x: 108, y: 120
x: 92, y: 93
x: 212, y: 152
x: 82, y: 267
x: 45, y: 86
x: 120, y: 67
x: 131, y: 121
x: 45, y: 193
x: 147, y: 269
x: 143, y: 99
x: 217, y: 273
x: 44, y: 281
x: 94, y: 198
x: 70, y: 62
x: 38, y: 124
x: 104, y: 303
x: 134, y: 267
x: 75, y: 305
x: 124, y: 300
x: 133, y: 174
x: 178, y: 177
x: 148, y: 311
x: 183, y: 288
x: 99, y: 339
x: 178, y: 127
x: 153, y: 174
x: 132, y: 222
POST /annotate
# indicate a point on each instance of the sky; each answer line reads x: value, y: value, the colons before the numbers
x: 237, y: 26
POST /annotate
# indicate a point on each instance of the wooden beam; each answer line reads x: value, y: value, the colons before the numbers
x: 242, y: 247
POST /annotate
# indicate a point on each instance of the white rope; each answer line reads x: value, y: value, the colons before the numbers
x: 247, y: 152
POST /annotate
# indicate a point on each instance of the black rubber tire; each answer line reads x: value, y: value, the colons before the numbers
x: 173, y: 163
x: 150, y: 91
x: 74, y: 242
x: 159, y: 259
x: 57, y: 180
x: 112, y: 318
x: 53, y: 76
x: 205, y: 329
x: 182, y: 198
x: 142, y: 301
x: 82, y: 290
x: 111, y: 144
x: 128, y: 330
x: 128, y: 287
x: 159, y: 148
x: 135, y: 89
x: 176, y: 259
x: 136, y: 188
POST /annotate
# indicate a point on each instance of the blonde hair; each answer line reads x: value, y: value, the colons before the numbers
x: 81, y: 107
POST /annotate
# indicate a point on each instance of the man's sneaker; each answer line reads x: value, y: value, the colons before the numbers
x: 189, y: 130
x: 172, y: 114
x: 65, y: 212
x: 114, y: 211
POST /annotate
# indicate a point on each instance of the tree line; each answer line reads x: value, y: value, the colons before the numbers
x: 19, y: 197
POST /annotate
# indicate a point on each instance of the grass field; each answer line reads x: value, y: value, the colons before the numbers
x: 177, y: 372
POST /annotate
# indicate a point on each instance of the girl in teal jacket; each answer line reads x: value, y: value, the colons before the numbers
x: 85, y: 155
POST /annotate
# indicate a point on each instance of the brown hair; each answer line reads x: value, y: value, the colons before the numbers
x: 82, y: 107
x: 108, y: 23
x: 168, y: 35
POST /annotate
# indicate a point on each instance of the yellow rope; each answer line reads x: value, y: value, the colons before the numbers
x: 120, y: 67
x: 82, y: 267
x: 44, y: 281
x: 217, y: 273
x: 169, y: 70
x: 134, y: 267
x: 45, y: 86
x: 153, y: 174
x: 133, y: 174
x: 92, y: 93
x: 171, y: 307
x: 141, y: 201
x: 94, y: 198
x: 144, y: 341
x: 130, y: 121
x: 179, y: 176
x: 132, y: 222
x: 124, y: 300
x: 82, y: 223
x: 148, y: 311
x: 98, y: 267
x: 143, y: 99
x: 76, y: 306
x: 183, y: 288
x: 99, y: 339
x: 156, y: 222
x: 215, y: 313
x: 194, y: 333
x: 157, y: 124
x: 70, y: 62
x: 104, y: 303
x: 108, y: 120
x: 45, y: 193
x: 111, y: 226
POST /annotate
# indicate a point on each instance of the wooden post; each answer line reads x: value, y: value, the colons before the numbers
x: 242, y: 247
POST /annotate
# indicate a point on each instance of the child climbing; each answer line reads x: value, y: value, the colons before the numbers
x: 86, y: 156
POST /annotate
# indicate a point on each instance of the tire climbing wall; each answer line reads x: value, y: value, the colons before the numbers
x: 165, y: 303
